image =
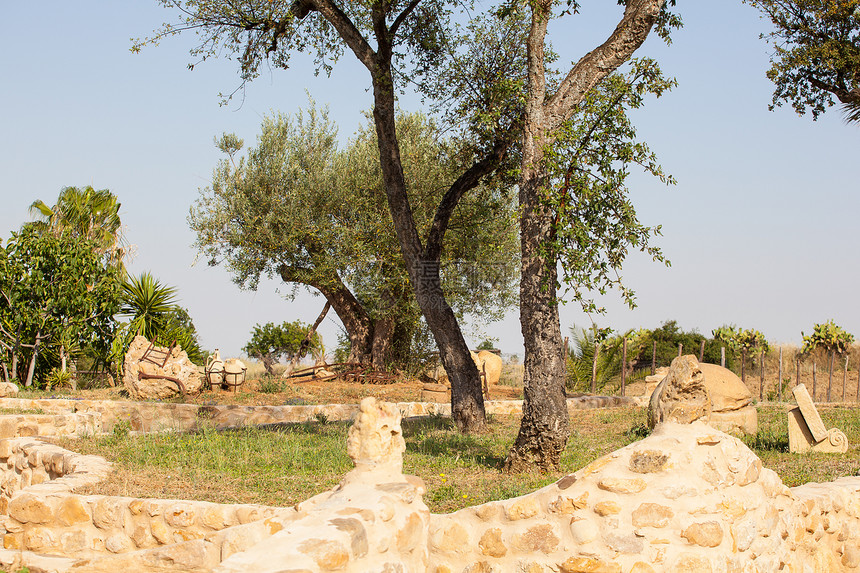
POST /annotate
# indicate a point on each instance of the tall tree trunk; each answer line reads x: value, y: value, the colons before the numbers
x: 544, y: 428
x: 545, y: 425
x: 467, y: 400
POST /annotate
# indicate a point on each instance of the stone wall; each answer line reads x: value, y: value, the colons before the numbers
x: 686, y: 498
x: 103, y: 415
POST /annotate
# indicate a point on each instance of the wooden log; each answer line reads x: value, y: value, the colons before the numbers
x: 702, y: 350
x: 723, y: 356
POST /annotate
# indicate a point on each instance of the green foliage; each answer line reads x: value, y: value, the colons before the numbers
x: 829, y: 336
x: 595, y: 223
x: 83, y: 213
x: 298, y: 208
x: 668, y: 336
x: 147, y: 302
x: 586, y: 345
x: 57, y: 288
x: 153, y: 312
x: 816, y: 53
x: 271, y: 342
x: 487, y: 344
x: 737, y: 339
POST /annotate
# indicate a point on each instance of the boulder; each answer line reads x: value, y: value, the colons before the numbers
x: 8, y: 390
x: 147, y: 379
x: 489, y: 363
x: 691, y: 391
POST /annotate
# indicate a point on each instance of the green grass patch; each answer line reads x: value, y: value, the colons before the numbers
x: 285, y: 465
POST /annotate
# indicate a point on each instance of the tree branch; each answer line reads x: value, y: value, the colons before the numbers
x: 634, y: 27
x: 402, y: 16
x: 467, y: 181
x: 347, y: 31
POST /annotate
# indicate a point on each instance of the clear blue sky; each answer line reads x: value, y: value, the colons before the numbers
x: 761, y: 229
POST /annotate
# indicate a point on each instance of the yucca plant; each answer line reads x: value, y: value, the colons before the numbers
x: 148, y: 303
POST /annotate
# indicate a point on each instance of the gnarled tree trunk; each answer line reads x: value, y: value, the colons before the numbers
x: 544, y: 429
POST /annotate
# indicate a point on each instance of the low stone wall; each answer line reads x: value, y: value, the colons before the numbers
x: 80, y: 417
x: 687, y: 498
x: 85, y: 526
x: 68, y: 425
x: 42, y: 468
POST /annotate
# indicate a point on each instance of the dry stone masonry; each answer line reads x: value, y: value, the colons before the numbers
x: 688, y: 498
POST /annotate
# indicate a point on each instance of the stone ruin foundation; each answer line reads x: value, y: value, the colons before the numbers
x: 686, y: 498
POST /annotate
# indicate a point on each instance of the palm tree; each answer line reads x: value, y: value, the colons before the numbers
x: 86, y: 213
x: 852, y: 111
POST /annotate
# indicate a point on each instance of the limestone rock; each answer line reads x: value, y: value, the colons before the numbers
x: 489, y: 364
x: 682, y: 396
x: 376, y: 441
x: 691, y: 391
x: 727, y: 390
x: 8, y: 390
x: 177, y: 366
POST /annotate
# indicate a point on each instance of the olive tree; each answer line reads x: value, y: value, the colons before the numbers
x: 390, y: 38
x: 298, y: 208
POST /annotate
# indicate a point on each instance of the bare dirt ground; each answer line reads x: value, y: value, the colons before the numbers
x: 278, y: 391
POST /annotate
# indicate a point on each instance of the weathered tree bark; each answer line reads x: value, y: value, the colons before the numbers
x: 467, y: 400
x: 355, y: 319
x: 32, y: 369
x: 544, y: 429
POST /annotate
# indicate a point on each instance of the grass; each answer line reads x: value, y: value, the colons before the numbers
x: 771, y: 445
x: 285, y: 465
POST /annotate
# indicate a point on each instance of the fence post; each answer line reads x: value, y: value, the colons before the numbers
x: 723, y: 356
x: 680, y: 348
x: 653, y: 357
x: 566, y: 348
x: 780, y: 373
x: 830, y: 376
x: 624, y: 366
x: 744, y: 365
x: 761, y: 377
x: 702, y: 350
x: 797, y: 369
x: 845, y: 378
x: 814, y: 381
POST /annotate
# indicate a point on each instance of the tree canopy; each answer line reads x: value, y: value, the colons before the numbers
x: 272, y: 342
x: 57, y: 295
x: 298, y: 208
x: 816, y: 54
x: 84, y: 213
